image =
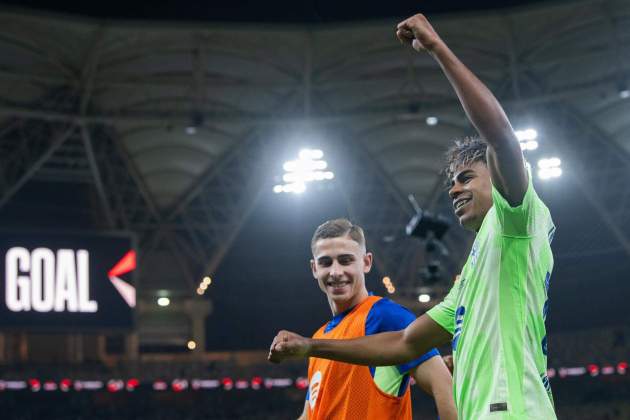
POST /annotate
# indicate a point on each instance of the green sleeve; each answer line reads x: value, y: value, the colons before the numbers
x: 524, y: 220
x: 444, y: 312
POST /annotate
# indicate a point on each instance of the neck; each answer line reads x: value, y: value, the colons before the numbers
x: 339, y: 307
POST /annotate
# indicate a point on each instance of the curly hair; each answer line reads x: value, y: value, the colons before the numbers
x: 464, y: 152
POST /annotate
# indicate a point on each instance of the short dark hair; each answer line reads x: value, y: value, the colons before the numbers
x: 464, y: 152
x: 338, y: 228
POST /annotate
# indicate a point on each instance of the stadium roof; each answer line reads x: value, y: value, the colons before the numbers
x: 106, y: 103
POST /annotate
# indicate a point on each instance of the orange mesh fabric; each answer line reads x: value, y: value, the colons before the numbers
x: 341, y: 391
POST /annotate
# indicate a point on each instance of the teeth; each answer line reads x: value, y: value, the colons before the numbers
x: 461, y: 203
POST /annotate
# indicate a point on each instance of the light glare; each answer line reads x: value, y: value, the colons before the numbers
x: 163, y: 301
x: 431, y: 121
x: 526, y: 135
x: 424, y: 298
x: 191, y: 345
x: 307, y: 168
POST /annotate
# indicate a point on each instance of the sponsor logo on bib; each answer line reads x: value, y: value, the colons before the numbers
x: 313, y: 389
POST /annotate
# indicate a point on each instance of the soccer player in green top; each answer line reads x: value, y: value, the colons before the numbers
x: 495, y: 314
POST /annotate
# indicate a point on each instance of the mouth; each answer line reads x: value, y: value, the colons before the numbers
x: 338, y: 285
x: 460, y: 203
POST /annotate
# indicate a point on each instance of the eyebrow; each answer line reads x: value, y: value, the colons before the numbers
x: 459, y: 177
x: 326, y: 257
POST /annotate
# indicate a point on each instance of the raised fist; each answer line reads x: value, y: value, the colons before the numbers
x: 418, y: 32
x: 288, y: 345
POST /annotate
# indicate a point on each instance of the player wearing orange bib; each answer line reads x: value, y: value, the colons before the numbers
x: 341, y: 391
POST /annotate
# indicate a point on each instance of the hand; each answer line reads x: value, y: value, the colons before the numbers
x: 288, y: 345
x: 418, y: 32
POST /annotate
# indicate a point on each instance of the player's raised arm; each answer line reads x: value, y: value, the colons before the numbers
x: 505, y: 159
x: 384, y: 349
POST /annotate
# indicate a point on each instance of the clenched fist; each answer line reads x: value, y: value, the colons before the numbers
x: 288, y: 345
x: 418, y: 32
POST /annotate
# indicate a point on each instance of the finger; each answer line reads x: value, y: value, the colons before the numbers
x: 403, y: 38
x: 403, y: 24
x: 406, y: 32
x: 417, y: 45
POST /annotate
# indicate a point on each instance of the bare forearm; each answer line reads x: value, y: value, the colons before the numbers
x: 481, y: 106
x: 383, y: 349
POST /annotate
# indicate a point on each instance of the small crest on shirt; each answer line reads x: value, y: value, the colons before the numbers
x: 498, y: 407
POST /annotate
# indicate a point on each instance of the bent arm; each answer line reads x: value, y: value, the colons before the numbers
x: 435, y: 379
x: 384, y: 349
x: 505, y: 158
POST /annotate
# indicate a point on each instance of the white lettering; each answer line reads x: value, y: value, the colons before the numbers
x: 83, y: 262
x: 66, y: 286
x: 43, y: 282
x: 42, y: 279
x: 17, y: 291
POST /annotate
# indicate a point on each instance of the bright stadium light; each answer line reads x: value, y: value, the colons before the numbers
x: 431, y: 121
x: 529, y: 145
x: 527, y: 139
x: 527, y: 134
x: 307, y: 168
x: 424, y: 298
x: 549, y: 168
x: 191, y: 345
x: 163, y: 301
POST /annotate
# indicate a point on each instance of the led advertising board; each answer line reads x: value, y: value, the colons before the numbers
x: 66, y: 281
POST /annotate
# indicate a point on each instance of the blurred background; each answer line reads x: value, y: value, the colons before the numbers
x: 163, y: 167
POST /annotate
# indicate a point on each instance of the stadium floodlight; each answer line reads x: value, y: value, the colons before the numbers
x: 424, y: 298
x: 526, y: 135
x: 163, y: 301
x: 307, y: 168
x: 527, y: 139
x: 431, y: 121
x: 191, y: 345
x: 623, y: 91
x: 549, y: 168
x: 529, y: 145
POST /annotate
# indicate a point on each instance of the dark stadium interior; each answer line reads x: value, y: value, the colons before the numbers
x: 223, y: 220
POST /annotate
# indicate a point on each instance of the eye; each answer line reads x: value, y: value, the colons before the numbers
x: 324, y: 262
x: 345, y: 260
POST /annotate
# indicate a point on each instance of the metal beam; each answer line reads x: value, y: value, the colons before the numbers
x: 54, y: 145
x: 96, y: 174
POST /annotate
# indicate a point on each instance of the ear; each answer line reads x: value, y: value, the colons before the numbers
x: 314, y: 268
x: 367, y: 262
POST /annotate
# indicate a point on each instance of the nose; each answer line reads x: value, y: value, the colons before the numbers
x: 455, y: 190
x: 336, y: 270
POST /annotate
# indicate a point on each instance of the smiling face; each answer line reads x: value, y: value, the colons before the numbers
x: 471, y: 192
x: 339, y: 265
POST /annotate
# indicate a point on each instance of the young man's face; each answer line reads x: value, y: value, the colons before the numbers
x: 340, y: 265
x: 471, y: 192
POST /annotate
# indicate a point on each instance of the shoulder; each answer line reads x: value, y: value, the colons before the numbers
x: 386, y: 315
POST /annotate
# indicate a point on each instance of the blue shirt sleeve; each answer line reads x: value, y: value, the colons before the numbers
x: 386, y: 315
